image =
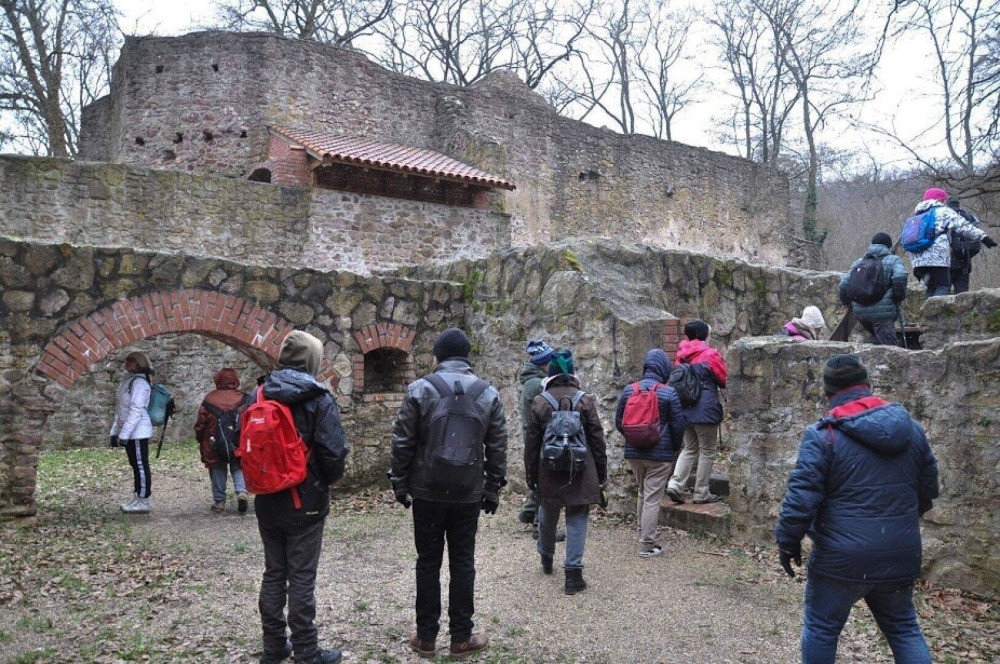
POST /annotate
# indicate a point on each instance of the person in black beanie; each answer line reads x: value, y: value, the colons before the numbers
x: 878, y: 317
x: 448, y: 468
x: 864, y: 475
x: 962, y: 251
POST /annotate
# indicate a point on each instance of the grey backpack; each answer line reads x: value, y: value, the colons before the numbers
x: 564, y: 442
x: 456, y: 431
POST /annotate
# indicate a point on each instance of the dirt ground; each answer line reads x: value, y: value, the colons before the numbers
x: 85, y: 583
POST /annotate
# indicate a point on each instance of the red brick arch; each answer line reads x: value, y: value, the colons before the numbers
x: 380, y: 335
x: 231, y: 319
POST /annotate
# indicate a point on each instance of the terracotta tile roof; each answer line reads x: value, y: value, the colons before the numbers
x: 389, y: 156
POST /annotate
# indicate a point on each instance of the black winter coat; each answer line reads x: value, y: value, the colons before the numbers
x: 409, y: 438
x: 317, y: 420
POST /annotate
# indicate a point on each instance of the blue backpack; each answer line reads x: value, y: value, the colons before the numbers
x: 919, y: 232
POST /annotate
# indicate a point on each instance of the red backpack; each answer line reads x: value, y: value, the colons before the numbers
x: 641, y: 420
x: 272, y: 453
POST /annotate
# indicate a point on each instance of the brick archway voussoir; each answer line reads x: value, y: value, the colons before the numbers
x: 90, y: 339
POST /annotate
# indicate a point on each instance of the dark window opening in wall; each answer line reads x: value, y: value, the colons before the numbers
x: 169, y: 155
x: 260, y: 175
x: 159, y: 69
x: 590, y: 175
x: 139, y: 140
x: 344, y: 177
x: 179, y: 137
x: 215, y: 67
x: 243, y: 134
x: 387, y: 370
x: 207, y: 135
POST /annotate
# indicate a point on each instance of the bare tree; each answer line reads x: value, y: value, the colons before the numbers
x: 964, y: 36
x: 765, y: 92
x: 55, y: 58
x: 333, y: 21
x: 822, y: 44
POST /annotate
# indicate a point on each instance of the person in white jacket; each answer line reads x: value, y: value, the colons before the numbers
x: 132, y: 429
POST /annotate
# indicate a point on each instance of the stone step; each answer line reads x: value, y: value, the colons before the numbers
x: 717, y: 484
x: 711, y: 518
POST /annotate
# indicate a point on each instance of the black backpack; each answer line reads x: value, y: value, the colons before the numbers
x: 686, y: 382
x: 226, y: 437
x: 867, y: 283
x: 456, y: 430
x: 564, y: 442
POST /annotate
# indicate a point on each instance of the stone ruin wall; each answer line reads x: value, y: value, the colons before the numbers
x: 953, y: 391
x: 200, y: 104
x: 111, y: 205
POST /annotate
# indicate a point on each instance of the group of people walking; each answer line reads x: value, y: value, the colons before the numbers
x: 864, y: 474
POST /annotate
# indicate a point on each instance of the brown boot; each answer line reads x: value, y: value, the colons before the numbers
x: 463, y: 649
x: 425, y: 649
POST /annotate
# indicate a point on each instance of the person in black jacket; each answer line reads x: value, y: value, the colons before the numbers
x: 447, y: 497
x: 864, y: 475
x: 292, y: 537
x: 962, y: 251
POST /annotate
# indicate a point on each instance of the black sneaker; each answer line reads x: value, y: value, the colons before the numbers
x: 675, y: 496
x: 711, y: 498
x: 322, y: 657
x: 270, y: 658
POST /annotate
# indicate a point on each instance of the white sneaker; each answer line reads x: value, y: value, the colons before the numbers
x: 655, y: 551
x: 126, y: 507
x: 140, y: 506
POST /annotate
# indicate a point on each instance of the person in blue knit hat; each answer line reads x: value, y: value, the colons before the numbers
x: 533, y: 373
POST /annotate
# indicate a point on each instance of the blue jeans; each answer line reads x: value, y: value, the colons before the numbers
x: 576, y: 533
x: 828, y: 603
x: 218, y: 476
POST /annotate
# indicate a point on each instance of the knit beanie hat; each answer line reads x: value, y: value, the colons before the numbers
x: 452, y: 343
x: 227, y: 379
x: 935, y: 194
x: 696, y: 329
x: 301, y: 350
x: 884, y: 239
x: 842, y: 371
x: 562, y: 363
x: 813, y: 317
x: 539, y: 352
x: 142, y: 360
x: 954, y: 203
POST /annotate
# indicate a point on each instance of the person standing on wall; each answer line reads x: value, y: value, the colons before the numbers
x: 132, y: 429
x: 934, y: 225
x: 701, y: 435
x: 558, y: 490
x: 652, y: 464
x: 864, y: 476
x: 962, y: 251
x: 291, y: 521
x: 876, y: 304
x: 449, y: 461
x: 217, y: 432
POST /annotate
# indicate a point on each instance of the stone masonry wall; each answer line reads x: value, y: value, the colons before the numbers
x: 201, y: 103
x: 776, y: 391
x: 107, y: 205
x: 972, y: 316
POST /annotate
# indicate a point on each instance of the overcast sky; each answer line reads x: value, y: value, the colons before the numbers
x: 902, y: 83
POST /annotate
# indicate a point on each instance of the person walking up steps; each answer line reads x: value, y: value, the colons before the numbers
x: 651, y: 450
x: 701, y: 435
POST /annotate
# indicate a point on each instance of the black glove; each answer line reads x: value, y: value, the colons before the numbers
x: 113, y: 442
x: 603, y: 503
x: 789, y: 553
x: 490, y: 505
x: 403, y: 499
x: 989, y: 242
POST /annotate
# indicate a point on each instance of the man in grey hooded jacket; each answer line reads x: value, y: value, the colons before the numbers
x: 879, y: 319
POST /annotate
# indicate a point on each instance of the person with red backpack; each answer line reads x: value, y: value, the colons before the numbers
x: 650, y: 417
x: 701, y: 433
x: 291, y: 521
x: 217, y: 433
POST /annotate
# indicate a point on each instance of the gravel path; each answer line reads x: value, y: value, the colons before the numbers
x: 91, y: 585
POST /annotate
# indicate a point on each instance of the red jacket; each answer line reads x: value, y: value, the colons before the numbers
x: 697, y: 351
